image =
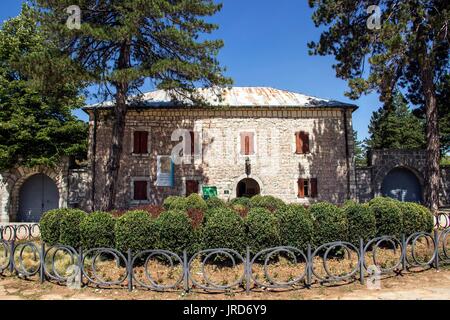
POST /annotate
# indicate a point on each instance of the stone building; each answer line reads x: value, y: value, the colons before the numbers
x: 251, y: 141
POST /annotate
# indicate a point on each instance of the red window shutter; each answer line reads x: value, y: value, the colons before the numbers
x: 143, y: 142
x: 191, y: 187
x: 192, y: 134
x: 305, y: 142
x: 140, y: 190
x: 136, y: 143
x: 247, y: 145
x: 301, y: 188
x: 252, y: 143
x: 298, y: 143
x: 313, y: 182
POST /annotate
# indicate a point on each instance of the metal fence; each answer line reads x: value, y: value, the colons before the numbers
x: 252, y: 271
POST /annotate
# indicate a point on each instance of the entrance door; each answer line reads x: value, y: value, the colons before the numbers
x: 37, y: 195
x: 403, y: 185
x: 247, y: 188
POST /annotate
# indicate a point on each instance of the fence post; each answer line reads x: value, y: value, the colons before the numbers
x: 361, y: 261
x: 309, y: 267
x: 247, y: 270
x: 42, y: 266
x: 11, y: 257
x: 185, y: 271
x: 404, y: 260
x: 436, y: 249
x: 80, y: 265
x: 130, y: 270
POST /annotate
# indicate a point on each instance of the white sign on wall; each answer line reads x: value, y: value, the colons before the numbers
x: 165, y: 172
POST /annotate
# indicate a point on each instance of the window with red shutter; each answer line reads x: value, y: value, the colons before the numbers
x: 313, y: 187
x: 192, y: 134
x: 140, y: 142
x: 192, y: 186
x: 301, y: 188
x: 301, y: 142
x: 247, y: 143
x: 140, y: 190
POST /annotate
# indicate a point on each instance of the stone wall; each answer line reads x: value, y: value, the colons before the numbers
x: 275, y: 166
x: 12, y: 180
x: 369, y: 179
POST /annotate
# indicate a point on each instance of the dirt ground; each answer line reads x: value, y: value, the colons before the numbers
x: 430, y: 284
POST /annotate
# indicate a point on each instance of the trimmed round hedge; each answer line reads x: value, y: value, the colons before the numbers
x: 296, y: 226
x: 50, y: 224
x: 97, y: 230
x: 224, y: 229
x: 69, y: 229
x: 361, y: 222
x: 195, y: 201
x: 263, y: 231
x: 175, y: 232
x: 135, y: 230
x: 416, y: 218
x: 169, y: 200
x: 269, y: 202
x: 330, y: 223
x: 215, y: 202
x: 242, y: 201
x: 388, y: 215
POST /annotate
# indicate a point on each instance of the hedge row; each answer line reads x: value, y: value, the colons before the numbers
x: 261, y: 222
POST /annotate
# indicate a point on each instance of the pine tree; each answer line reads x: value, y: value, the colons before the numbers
x: 406, y: 45
x: 360, y: 151
x: 394, y: 126
x: 122, y: 43
x: 36, y: 128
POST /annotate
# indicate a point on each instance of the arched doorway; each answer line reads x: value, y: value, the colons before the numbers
x: 37, y: 195
x: 402, y: 184
x: 247, y: 188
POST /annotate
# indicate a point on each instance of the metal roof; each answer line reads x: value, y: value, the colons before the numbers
x: 230, y: 97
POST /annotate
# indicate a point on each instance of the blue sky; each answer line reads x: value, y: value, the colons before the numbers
x: 265, y: 45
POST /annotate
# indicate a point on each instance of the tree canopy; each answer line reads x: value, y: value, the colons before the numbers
x: 395, y: 46
x: 35, y: 127
x: 396, y: 127
x: 121, y: 43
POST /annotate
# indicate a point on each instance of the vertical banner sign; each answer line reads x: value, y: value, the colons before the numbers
x: 166, y: 172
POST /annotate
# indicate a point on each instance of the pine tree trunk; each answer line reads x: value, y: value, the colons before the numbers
x: 118, y: 129
x: 432, y: 131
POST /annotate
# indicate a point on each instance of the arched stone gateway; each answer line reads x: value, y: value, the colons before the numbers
x: 247, y: 187
x: 38, y: 194
x: 402, y: 184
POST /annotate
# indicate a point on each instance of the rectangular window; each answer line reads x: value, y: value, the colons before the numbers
x: 192, y: 186
x: 247, y: 143
x: 307, y: 188
x: 140, y: 190
x: 140, y: 142
x: 301, y: 142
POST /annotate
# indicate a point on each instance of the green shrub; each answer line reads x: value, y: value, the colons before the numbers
x: 296, y: 226
x: 69, y: 229
x: 169, y: 200
x: 388, y: 216
x: 97, y: 230
x: 361, y: 222
x: 50, y: 224
x: 224, y: 229
x: 175, y: 232
x: 243, y: 201
x: 195, y: 201
x: 262, y: 230
x: 215, y: 202
x: 416, y: 218
x: 330, y: 223
x: 179, y: 203
x: 135, y: 230
x: 270, y: 203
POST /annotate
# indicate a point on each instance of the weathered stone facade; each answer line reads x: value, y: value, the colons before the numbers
x: 369, y: 179
x: 275, y: 166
